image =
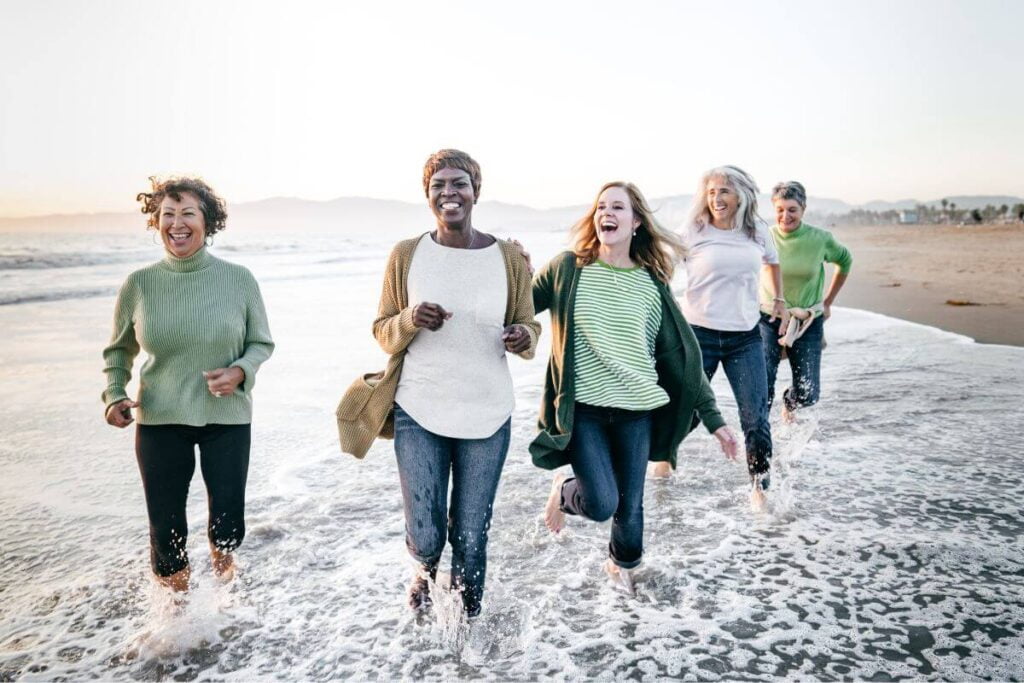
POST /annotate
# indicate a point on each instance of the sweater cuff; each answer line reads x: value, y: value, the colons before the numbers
x: 250, y: 374
x: 112, y: 395
x: 713, y: 422
x: 405, y: 324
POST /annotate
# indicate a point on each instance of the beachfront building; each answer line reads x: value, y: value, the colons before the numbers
x: 908, y: 216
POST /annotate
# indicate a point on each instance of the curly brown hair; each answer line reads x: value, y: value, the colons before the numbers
x: 452, y: 158
x: 215, y: 212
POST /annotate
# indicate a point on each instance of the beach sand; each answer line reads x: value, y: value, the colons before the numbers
x: 911, y: 272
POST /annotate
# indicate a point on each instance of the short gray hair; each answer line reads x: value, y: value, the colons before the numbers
x: 790, y: 189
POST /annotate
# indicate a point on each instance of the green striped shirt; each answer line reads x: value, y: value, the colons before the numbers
x: 617, y: 316
x: 188, y: 315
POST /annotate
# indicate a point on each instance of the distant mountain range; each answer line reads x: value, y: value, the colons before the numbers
x: 349, y: 214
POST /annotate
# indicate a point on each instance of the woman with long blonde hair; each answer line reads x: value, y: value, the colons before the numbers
x: 625, y: 383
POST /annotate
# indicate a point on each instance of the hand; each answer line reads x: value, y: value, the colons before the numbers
x: 727, y: 441
x: 120, y: 414
x: 429, y: 316
x: 224, y: 381
x: 526, y: 254
x: 516, y: 338
x: 780, y: 311
x: 826, y: 310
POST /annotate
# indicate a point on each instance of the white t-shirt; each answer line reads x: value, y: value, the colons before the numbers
x: 723, y: 269
x: 455, y: 382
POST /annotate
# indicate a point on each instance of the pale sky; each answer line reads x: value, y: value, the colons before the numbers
x: 860, y: 100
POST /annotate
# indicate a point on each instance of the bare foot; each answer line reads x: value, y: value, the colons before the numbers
x: 554, y: 518
x: 788, y: 416
x: 662, y: 469
x: 177, y: 582
x: 621, y: 576
x: 223, y: 564
x: 758, y: 500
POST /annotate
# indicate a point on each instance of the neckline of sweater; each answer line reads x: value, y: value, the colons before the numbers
x: 197, y: 261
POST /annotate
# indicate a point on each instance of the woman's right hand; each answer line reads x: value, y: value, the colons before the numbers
x: 120, y: 414
x: 727, y: 441
x: 429, y: 316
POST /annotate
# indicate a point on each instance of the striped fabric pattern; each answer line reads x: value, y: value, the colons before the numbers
x: 617, y: 316
x: 188, y: 315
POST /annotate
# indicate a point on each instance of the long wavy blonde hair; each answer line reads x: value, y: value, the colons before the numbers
x: 653, y: 247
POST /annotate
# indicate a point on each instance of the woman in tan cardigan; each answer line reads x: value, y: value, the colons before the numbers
x: 455, y: 300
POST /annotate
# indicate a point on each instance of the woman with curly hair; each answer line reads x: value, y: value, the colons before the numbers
x: 624, y: 383
x: 202, y: 324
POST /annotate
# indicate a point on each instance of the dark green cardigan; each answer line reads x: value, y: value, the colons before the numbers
x: 677, y: 362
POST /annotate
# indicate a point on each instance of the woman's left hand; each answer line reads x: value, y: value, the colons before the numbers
x: 224, y: 381
x: 780, y: 311
x: 516, y: 339
x: 727, y: 441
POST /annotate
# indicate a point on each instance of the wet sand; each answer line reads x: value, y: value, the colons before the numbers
x: 911, y: 272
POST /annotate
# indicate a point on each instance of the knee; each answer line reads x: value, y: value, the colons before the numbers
x: 601, y: 508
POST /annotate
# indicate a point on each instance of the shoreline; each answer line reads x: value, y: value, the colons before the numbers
x: 965, y: 280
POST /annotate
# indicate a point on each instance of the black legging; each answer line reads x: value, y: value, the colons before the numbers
x: 167, y: 460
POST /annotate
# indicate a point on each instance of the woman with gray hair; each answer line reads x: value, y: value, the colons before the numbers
x: 803, y: 252
x: 728, y: 246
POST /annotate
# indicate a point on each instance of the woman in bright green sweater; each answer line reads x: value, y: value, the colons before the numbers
x: 202, y: 324
x: 803, y: 252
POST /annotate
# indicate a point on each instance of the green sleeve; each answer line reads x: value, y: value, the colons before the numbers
x: 838, y: 254
x: 544, y: 286
x: 258, y: 343
x: 120, y: 353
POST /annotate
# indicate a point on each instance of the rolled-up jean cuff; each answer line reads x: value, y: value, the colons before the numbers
x: 423, y: 559
x: 624, y: 565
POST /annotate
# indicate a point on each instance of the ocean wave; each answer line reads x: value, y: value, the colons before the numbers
x: 45, y: 261
x: 59, y: 295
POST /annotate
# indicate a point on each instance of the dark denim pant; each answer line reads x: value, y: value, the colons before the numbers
x: 608, y: 453
x: 167, y: 460
x: 804, y: 361
x: 742, y: 356
x: 425, y: 462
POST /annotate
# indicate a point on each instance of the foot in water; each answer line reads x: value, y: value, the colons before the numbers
x: 223, y: 564
x: 759, y: 484
x: 554, y: 518
x: 620, y: 576
x: 419, y: 588
x: 662, y: 469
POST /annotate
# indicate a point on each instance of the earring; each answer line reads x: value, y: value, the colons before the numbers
x: 208, y: 240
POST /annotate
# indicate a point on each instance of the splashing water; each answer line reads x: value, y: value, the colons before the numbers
x: 891, y: 546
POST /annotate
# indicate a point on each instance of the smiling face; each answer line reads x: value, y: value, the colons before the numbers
x: 451, y: 196
x: 182, y: 225
x: 788, y: 214
x: 723, y: 201
x: 614, y: 220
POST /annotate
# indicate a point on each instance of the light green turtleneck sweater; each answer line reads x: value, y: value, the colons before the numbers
x: 188, y: 315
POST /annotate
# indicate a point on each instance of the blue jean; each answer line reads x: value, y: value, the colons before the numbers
x: 804, y: 361
x: 608, y: 453
x: 425, y: 462
x: 742, y: 356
